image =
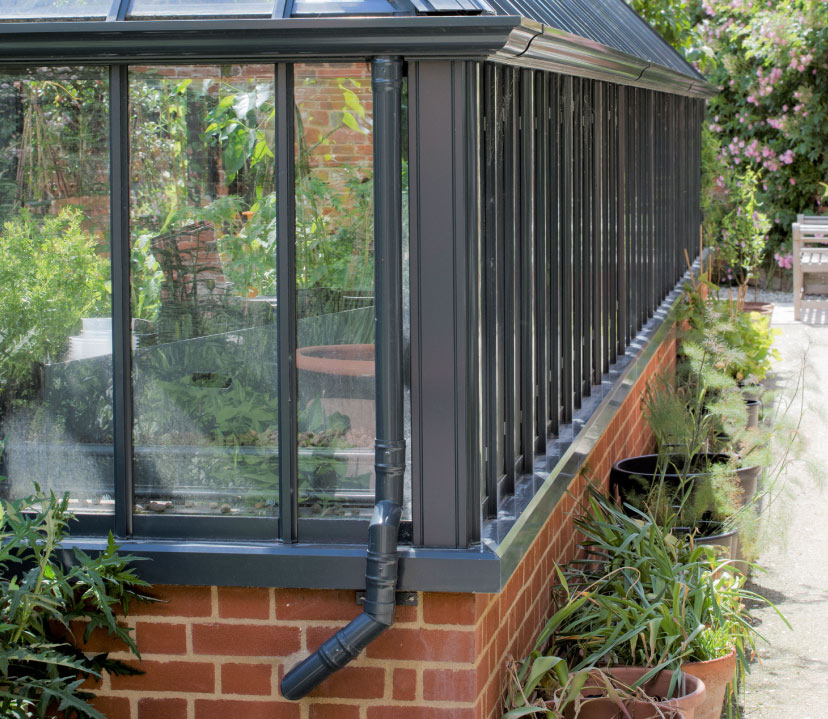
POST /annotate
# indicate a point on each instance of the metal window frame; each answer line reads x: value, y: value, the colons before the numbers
x: 446, y: 307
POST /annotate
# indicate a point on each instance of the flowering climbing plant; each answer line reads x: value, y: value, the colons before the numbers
x: 769, y: 123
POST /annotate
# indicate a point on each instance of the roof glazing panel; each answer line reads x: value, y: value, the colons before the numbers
x: 54, y: 9
x: 310, y: 8
x: 142, y: 9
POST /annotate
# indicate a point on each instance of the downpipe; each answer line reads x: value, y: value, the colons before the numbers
x: 389, y: 457
x: 378, y: 615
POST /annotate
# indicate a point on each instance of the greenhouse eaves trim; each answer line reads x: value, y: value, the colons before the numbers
x: 510, y: 40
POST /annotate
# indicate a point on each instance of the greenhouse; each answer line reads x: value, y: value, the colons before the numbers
x: 267, y: 265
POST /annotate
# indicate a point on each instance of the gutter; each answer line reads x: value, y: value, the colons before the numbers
x: 389, y: 459
x: 557, y: 51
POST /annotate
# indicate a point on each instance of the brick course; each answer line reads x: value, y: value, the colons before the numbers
x: 219, y: 653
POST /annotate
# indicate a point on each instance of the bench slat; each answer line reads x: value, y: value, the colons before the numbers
x: 810, y: 258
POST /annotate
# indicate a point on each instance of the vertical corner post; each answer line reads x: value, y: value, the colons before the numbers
x: 286, y: 269
x: 121, y: 327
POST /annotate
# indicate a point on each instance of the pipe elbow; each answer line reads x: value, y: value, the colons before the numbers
x: 334, y: 654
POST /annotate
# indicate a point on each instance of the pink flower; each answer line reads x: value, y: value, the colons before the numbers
x: 793, y: 181
x: 784, y: 261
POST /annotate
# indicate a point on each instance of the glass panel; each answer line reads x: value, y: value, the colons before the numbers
x: 55, y: 310
x: 335, y: 289
x: 52, y: 9
x: 198, y: 8
x: 203, y: 237
x: 342, y: 7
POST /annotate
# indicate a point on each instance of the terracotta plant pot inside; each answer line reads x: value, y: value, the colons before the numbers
x: 342, y: 360
x: 716, y: 675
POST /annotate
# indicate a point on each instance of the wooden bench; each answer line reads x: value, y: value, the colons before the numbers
x: 810, y: 257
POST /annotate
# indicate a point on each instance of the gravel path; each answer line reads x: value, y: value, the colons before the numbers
x: 791, y: 677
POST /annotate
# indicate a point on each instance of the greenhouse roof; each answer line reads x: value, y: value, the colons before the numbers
x: 593, y: 38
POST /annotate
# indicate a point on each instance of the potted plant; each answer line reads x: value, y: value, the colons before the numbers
x: 742, y: 235
x: 696, y: 473
x: 543, y: 685
x: 647, y: 596
x: 709, y: 454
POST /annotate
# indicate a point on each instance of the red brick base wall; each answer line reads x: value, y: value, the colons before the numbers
x: 219, y: 653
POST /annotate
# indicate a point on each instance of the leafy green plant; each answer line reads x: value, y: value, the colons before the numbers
x: 52, y: 275
x: 742, y: 232
x: 322, y: 471
x: 334, y: 230
x: 646, y: 596
x: 751, y: 338
x: 147, y: 280
x: 47, y: 611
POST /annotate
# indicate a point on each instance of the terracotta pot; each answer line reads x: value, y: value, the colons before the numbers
x: 691, y: 697
x: 716, y: 675
x: 681, y: 707
x: 763, y: 308
x: 341, y: 360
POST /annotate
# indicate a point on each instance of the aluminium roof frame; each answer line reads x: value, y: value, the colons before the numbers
x: 500, y: 38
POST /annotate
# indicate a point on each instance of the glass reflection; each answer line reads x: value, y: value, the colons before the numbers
x: 55, y: 309
x: 203, y: 238
x: 54, y: 9
x: 202, y: 8
x: 335, y: 289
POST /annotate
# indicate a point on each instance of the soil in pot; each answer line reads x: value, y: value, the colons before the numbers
x: 716, y: 675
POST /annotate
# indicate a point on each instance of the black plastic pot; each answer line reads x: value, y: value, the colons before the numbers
x: 749, y: 482
x: 628, y: 472
x: 750, y: 391
x: 634, y: 475
x: 709, y: 533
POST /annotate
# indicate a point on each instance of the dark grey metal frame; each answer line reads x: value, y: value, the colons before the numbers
x: 518, y: 207
x: 609, y: 153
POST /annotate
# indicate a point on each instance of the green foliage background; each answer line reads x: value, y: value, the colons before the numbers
x: 51, y: 275
x: 770, y: 62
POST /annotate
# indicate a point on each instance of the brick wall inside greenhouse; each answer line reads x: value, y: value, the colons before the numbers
x: 219, y: 652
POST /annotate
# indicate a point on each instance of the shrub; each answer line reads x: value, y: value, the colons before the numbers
x: 51, y: 276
